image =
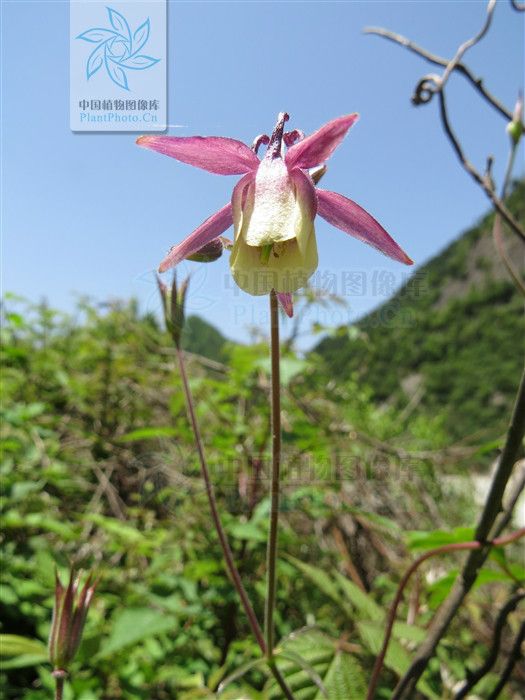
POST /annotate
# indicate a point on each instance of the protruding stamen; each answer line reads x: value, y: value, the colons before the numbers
x: 274, y: 148
x: 291, y: 137
x: 259, y: 141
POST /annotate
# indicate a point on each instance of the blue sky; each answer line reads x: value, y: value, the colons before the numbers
x: 94, y: 214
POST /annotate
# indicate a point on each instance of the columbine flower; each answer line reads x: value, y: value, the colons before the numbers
x: 69, y: 617
x: 273, y: 206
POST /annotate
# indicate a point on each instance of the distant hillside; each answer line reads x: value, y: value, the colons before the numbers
x: 452, y: 339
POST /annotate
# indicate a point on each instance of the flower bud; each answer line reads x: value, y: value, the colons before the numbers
x: 208, y: 253
x: 515, y: 127
x: 69, y: 617
x: 317, y: 173
x: 173, y: 302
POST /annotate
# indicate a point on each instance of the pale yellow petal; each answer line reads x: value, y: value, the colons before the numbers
x: 287, y: 268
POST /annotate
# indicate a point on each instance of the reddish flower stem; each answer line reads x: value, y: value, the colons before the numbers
x: 59, y: 687
x: 225, y: 545
x: 271, y: 560
x: 445, y: 549
x: 210, y: 491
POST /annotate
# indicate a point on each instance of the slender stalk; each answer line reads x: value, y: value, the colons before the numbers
x: 226, y: 550
x: 59, y: 687
x: 271, y: 560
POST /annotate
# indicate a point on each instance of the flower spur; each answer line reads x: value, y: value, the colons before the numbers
x: 273, y: 206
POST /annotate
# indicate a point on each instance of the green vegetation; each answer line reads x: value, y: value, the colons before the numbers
x: 454, y: 333
x: 99, y: 470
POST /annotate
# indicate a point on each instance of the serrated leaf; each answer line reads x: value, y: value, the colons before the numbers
x: 323, y: 582
x: 344, y: 679
x: 360, y: 600
x: 372, y: 636
x: 320, y: 662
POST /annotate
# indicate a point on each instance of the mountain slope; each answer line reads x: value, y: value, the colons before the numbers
x: 451, y: 340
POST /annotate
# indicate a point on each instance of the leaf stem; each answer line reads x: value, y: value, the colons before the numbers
x: 271, y: 560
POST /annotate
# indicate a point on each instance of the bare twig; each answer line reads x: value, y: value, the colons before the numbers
x: 473, y: 677
x: 491, y: 6
x: 474, y: 173
x: 488, y: 522
x: 433, y: 84
x: 514, y: 657
x: 518, y: 6
x: 477, y: 83
x: 445, y: 549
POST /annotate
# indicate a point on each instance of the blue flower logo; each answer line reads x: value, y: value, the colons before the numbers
x: 118, y: 49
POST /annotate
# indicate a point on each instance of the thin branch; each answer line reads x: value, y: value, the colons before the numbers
x: 473, y: 677
x: 444, y: 549
x: 488, y: 521
x: 474, y: 173
x: 518, y: 6
x: 514, y: 657
x: 477, y: 83
x: 491, y: 6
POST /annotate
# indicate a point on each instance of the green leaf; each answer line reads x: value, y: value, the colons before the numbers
x: 247, y: 531
x: 18, y: 652
x: 149, y: 434
x: 417, y: 539
x: 397, y: 658
x: 112, y: 526
x: 309, y: 659
x: 344, y: 679
x: 323, y: 582
x: 360, y: 600
x: 372, y: 635
x: 132, y: 626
